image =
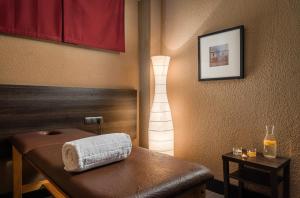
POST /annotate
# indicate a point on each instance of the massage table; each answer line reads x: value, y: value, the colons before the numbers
x: 143, y: 174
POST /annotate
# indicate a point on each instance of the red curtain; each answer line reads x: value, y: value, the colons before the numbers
x: 35, y: 18
x: 95, y: 23
x: 92, y: 23
x: 7, y: 16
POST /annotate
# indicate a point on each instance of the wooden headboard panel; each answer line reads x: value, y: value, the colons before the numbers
x: 30, y: 108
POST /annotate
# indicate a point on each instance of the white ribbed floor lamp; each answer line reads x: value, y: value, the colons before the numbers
x: 161, y: 132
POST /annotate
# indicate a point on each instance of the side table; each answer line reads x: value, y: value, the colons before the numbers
x: 258, y: 170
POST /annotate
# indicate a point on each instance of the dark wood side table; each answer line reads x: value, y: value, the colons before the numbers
x: 258, y: 170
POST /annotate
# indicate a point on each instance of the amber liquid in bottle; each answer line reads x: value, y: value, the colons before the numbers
x: 270, y: 144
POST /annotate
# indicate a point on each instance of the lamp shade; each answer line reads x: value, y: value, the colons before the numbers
x: 161, y: 132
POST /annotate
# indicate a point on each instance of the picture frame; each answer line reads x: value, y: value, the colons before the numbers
x: 221, y: 54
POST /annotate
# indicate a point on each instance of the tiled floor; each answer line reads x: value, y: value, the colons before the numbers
x: 210, y: 194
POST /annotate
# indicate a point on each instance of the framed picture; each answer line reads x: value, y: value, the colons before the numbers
x: 221, y: 54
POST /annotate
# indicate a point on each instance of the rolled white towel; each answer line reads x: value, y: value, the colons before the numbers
x: 83, y: 154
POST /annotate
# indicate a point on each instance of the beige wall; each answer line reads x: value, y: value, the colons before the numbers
x: 150, y: 45
x: 144, y: 70
x: 211, y: 117
x: 25, y: 61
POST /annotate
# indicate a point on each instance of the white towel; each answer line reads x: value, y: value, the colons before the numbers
x: 83, y: 154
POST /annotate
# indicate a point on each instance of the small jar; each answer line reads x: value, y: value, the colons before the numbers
x: 237, y: 151
x: 251, y: 152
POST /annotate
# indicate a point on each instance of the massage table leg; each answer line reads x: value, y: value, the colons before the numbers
x: 33, y: 186
x: 17, y: 173
x: 55, y: 191
x: 19, y: 188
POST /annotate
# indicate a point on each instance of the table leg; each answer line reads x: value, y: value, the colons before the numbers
x: 274, y: 184
x: 17, y: 173
x: 226, y: 178
x: 241, y: 184
x: 286, y: 181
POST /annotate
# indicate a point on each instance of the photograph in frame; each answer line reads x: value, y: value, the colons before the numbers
x: 221, y: 54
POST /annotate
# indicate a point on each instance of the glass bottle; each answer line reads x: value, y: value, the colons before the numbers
x: 270, y: 143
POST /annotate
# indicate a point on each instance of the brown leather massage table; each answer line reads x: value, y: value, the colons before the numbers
x: 143, y: 174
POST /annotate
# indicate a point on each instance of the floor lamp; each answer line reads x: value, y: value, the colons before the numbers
x: 161, y: 132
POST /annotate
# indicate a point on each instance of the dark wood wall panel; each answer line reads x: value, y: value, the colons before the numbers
x: 30, y: 108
